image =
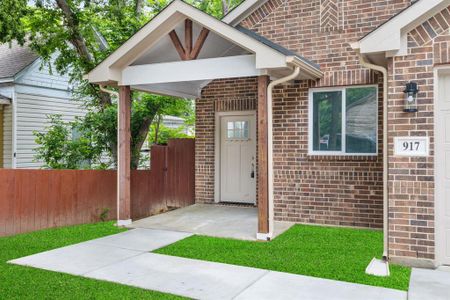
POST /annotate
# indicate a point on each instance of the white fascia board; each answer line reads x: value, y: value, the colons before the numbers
x: 36, y: 62
x: 162, y: 24
x: 174, y: 90
x: 245, y: 9
x: 191, y: 70
x: 6, y: 80
x: 391, y: 37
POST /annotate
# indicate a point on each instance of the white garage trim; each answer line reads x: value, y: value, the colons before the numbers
x: 439, y: 200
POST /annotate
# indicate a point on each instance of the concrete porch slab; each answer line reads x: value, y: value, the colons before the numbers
x: 277, y: 285
x: 429, y: 284
x: 211, y: 220
x: 187, y: 277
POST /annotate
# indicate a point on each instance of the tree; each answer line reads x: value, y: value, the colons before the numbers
x: 61, y: 148
x: 183, y: 109
x: 80, y: 34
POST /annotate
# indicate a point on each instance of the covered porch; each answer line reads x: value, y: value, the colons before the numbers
x: 155, y: 60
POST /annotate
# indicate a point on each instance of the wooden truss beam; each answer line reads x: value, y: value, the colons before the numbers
x: 189, y: 52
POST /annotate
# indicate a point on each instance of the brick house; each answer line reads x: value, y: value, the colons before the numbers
x: 302, y: 110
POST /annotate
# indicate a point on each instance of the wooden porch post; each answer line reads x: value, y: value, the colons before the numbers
x: 263, y: 200
x: 124, y: 157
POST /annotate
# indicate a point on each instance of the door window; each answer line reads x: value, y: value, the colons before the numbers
x: 237, y: 130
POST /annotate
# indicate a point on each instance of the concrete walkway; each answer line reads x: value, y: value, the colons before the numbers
x: 124, y: 258
x: 430, y: 284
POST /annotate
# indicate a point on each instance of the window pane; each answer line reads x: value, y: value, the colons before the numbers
x: 246, y: 131
x: 238, y: 130
x: 361, y: 123
x: 327, y: 121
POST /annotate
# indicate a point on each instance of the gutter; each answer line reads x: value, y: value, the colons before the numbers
x: 270, y: 176
x: 384, y: 71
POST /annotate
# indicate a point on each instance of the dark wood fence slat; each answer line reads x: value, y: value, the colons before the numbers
x: 38, y: 199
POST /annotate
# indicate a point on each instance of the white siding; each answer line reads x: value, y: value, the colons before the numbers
x: 7, y: 136
x: 39, y: 92
x: 39, y: 75
x: 32, y: 112
x: 7, y: 90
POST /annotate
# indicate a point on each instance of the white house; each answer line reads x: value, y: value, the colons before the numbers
x: 29, y: 92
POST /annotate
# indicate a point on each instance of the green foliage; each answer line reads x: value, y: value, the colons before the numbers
x: 19, y: 282
x: 325, y: 252
x: 166, y: 133
x: 160, y: 134
x: 59, y: 150
x: 104, y: 215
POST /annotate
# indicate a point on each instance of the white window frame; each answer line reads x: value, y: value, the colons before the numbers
x: 343, y: 90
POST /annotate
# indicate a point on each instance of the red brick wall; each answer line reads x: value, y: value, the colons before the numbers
x: 324, y: 190
x: 225, y: 90
x: 298, y: 26
x: 411, y: 180
x: 344, y: 191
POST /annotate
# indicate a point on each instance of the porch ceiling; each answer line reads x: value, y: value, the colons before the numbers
x: 152, y: 61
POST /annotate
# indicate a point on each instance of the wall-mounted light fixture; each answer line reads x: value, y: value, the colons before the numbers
x: 411, y: 92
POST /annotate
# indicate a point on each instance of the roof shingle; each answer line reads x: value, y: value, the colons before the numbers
x: 14, y: 59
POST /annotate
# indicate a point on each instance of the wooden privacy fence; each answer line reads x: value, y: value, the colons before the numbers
x: 37, y: 199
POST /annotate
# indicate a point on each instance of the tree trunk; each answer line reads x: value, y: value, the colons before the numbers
x: 139, y: 140
x: 158, y: 123
x: 139, y: 7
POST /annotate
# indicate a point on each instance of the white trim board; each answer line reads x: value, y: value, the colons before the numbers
x: 191, y: 70
x: 440, y: 238
x: 342, y: 89
x: 242, y: 11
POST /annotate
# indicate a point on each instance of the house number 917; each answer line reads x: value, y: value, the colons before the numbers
x: 411, y: 146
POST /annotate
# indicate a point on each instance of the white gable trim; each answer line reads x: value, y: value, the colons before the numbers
x: 110, y: 70
x: 241, y: 12
x: 25, y: 70
x: 391, y: 37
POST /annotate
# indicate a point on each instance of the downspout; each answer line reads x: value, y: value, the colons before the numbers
x: 290, y: 77
x: 384, y: 71
x: 115, y: 94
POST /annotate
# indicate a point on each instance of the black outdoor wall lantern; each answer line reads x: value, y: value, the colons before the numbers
x: 411, y: 92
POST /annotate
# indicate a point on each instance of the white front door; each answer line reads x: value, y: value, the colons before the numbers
x: 238, y: 159
x: 443, y: 168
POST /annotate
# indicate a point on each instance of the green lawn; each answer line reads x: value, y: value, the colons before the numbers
x: 334, y: 253
x: 17, y: 282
